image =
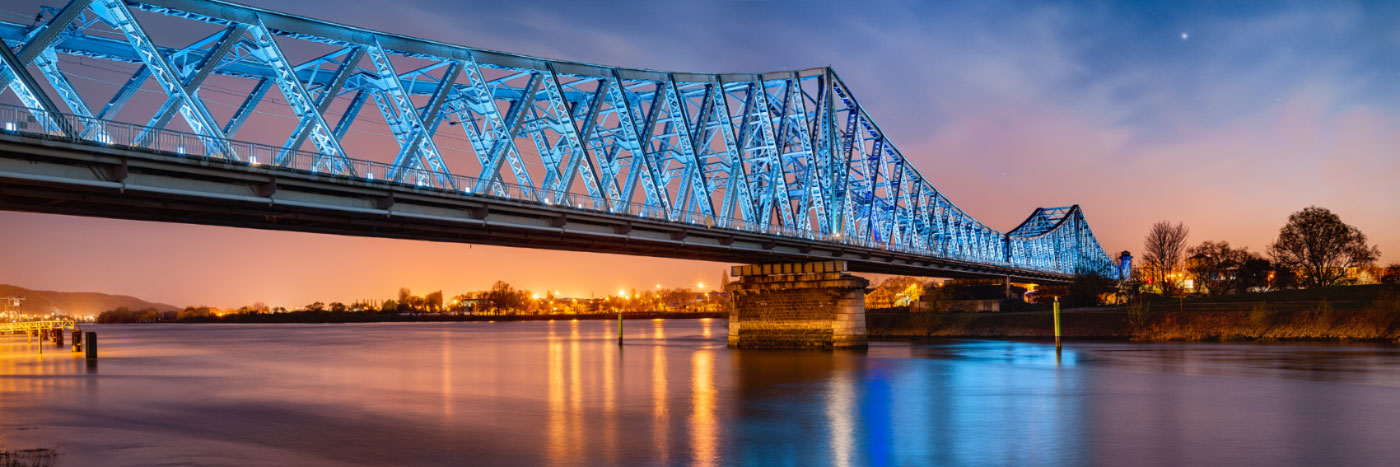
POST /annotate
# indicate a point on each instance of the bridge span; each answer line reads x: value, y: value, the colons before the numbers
x: 471, y: 145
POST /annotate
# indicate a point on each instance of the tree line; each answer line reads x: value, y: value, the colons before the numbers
x: 1313, y: 249
x: 501, y: 299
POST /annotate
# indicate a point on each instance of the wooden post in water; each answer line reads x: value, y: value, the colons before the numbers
x: 90, y: 345
x: 1057, y: 324
x: 77, y: 340
x: 58, y: 337
x: 619, y: 328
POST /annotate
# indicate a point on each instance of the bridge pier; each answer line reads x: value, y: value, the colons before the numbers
x: 797, y: 306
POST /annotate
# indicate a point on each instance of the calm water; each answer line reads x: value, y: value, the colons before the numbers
x: 563, y: 393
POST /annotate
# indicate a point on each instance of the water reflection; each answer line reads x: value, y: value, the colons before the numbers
x: 660, y: 406
x: 557, y: 428
x: 703, y: 429
x: 840, y: 403
x: 564, y: 393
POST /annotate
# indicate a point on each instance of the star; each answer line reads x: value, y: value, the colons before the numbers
x: 1185, y: 36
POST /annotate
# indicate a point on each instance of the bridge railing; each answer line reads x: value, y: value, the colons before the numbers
x: 86, y: 130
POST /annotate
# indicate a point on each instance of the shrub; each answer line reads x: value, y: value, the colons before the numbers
x: 1261, y: 317
x: 1139, y: 317
x: 1385, y: 310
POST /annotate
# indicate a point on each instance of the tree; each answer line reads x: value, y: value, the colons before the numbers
x: 1254, y: 273
x: 1391, y: 274
x: 196, y: 313
x: 338, y: 307
x: 459, y: 302
x: 1088, y: 289
x: 433, y: 301
x: 1162, y: 251
x: 1320, y: 247
x: 503, y: 297
x: 1216, y: 266
x: 316, y: 306
x: 389, y: 306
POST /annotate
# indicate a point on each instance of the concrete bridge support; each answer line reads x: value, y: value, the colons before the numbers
x: 797, y: 306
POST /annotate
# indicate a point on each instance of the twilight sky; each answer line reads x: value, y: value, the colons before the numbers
x: 1227, y: 118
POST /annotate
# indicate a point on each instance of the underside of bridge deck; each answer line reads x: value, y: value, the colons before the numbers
x: 64, y: 178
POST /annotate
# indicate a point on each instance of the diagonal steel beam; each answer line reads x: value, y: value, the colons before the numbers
x: 190, y: 84
x: 116, y: 14
x: 304, y: 126
x: 574, y: 140
x: 327, y: 146
x: 694, y: 175
x: 47, y: 63
x: 499, y: 138
x: 638, y: 139
x: 245, y: 109
x: 29, y: 92
x: 415, y: 145
x: 46, y: 36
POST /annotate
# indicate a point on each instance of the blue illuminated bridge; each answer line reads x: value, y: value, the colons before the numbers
x: 215, y: 113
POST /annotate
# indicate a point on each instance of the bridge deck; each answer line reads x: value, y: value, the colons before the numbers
x: 52, y: 176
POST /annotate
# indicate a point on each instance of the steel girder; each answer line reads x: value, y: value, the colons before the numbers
x: 788, y: 153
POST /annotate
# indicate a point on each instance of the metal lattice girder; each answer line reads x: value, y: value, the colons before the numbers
x: 570, y: 153
x: 694, y: 185
x: 30, y: 94
x: 115, y: 13
x: 47, y: 61
x: 492, y: 134
x: 642, y: 166
x: 192, y: 70
x: 789, y: 152
x: 303, y: 106
x: 417, y: 149
x: 323, y: 94
x: 18, y: 79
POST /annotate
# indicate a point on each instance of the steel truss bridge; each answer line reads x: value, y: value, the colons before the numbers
x: 164, y: 110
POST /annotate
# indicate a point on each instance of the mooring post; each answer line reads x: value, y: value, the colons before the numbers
x: 58, y: 337
x: 90, y: 345
x: 1057, y: 324
x: 77, y: 340
x: 619, y: 328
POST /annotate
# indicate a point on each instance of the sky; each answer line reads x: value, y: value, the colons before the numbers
x: 1224, y: 117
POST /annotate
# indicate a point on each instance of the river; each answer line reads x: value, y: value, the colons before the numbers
x: 564, y: 393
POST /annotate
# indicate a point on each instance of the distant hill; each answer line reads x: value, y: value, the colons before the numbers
x: 76, y: 303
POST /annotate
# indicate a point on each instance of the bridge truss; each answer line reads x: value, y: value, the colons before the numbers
x: 787, y: 153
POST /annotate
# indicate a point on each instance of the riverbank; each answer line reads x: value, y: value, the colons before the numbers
x: 1360, y: 313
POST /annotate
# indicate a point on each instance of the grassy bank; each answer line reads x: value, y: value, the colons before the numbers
x: 27, y: 457
x: 1363, y: 313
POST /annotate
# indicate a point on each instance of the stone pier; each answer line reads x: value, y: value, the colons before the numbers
x: 797, y: 306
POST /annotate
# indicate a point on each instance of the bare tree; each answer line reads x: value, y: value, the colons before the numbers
x: 1163, y: 250
x: 1317, y: 244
